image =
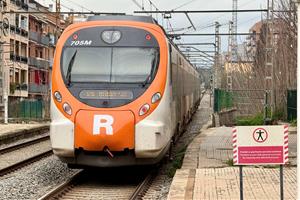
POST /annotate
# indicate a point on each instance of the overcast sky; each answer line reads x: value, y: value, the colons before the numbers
x: 203, y: 22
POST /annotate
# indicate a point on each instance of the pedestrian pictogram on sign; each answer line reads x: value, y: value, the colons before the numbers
x: 260, y: 135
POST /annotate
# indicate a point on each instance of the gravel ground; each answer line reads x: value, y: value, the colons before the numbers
x: 161, y: 185
x: 35, y: 180
x: 13, y: 157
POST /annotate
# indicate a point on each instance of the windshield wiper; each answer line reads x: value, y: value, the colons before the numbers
x: 70, y: 66
x: 147, y: 80
x: 153, y: 65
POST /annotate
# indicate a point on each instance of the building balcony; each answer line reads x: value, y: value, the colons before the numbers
x: 18, y: 90
x: 37, y: 37
x: 18, y: 58
x: 38, y: 63
x: 51, y: 63
x: 18, y: 30
x: 38, y: 89
x: 52, y: 40
x: 20, y: 3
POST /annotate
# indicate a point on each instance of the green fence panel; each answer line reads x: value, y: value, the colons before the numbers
x: 222, y: 99
x: 26, y: 109
x: 291, y: 104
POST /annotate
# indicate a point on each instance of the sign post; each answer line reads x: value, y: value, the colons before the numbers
x: 260, y: 145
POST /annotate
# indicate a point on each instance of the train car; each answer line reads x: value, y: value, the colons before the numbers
x: 121, y: 92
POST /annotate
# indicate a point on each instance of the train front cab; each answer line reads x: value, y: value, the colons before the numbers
x: 116, y: 96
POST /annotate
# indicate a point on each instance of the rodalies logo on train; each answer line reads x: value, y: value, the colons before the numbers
x: 103, y: 122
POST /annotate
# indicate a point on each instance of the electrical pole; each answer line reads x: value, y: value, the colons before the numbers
x: 230, y: 63
x: 234, y: 30
x: 269, y: 68
x: 4, y: 95
x: 216, y: 83
x: 57, y: 9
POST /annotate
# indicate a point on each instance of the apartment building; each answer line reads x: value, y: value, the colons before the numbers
x: 252, y: 40
x: 15, y: 51
x: 44, y: 29
x: 29, y: 45
x: 41, y: 50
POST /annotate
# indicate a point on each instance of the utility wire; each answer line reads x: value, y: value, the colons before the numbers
x: 79, y: 5
x: 184, y: 4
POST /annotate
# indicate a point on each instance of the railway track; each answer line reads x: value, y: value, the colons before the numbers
x: 17, y: 156
x: 24, y: 144
x: 90, y: 185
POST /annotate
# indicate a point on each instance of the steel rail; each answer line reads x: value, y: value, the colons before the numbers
x: 24, y: 144
x: 24, y: 163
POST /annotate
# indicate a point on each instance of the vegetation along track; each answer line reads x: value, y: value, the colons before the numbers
x: 17, y: 156
x: 116, y: 183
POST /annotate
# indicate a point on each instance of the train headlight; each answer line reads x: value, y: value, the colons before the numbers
x: 67, y: 108
x: 144, y: 109
x: 111, y: 37
x: 57, y: 96
x: 156, y: 97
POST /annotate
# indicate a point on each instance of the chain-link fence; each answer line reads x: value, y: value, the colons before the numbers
x: 246, y: 102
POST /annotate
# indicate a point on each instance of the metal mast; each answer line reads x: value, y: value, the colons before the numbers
x: 230, y: 63
x: 217, y: 75
x: 269, y: 68
x: 234, y: 30
x: 4, y: 95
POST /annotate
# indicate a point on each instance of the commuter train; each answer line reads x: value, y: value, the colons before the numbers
x: 121, y: 92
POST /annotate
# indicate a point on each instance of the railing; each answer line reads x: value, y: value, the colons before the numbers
x: 20, y: 4
x: 28, y: 110
x: 35, y: 88
x: 13, y: 87
x: 39, y: 63
x: 18, y: 30
x: 18, y: 58
x: 39, y: 38
x: 247, y: 102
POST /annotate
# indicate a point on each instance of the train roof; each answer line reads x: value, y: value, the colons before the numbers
x: 147, y: 19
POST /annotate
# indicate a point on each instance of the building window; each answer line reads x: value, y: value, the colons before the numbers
x: 12, y: 44
x: 17, y: 20
x: 17, y: 48
x: 23, y: 76
x: 17, y: 78
x: 23, y: 22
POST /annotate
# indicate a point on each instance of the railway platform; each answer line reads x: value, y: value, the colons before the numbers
x: 13, y: 132
x: 207, y: 171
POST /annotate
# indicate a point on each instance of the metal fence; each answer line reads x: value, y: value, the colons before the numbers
x: 27, y: 110
x: 291, y: 104
x: 222, y: 100
x: 246, y: 102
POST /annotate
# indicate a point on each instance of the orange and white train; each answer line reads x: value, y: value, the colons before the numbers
x: 121, y: 92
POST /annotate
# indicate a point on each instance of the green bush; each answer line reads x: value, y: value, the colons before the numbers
x: 250, y: 121
x: 177, y: 162
x: 294, y: 122
x: 278, y: 115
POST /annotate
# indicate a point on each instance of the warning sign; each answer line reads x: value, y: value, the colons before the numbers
x: 254, y: 145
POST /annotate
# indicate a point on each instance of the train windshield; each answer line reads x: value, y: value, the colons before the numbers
x: 110, y: 64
